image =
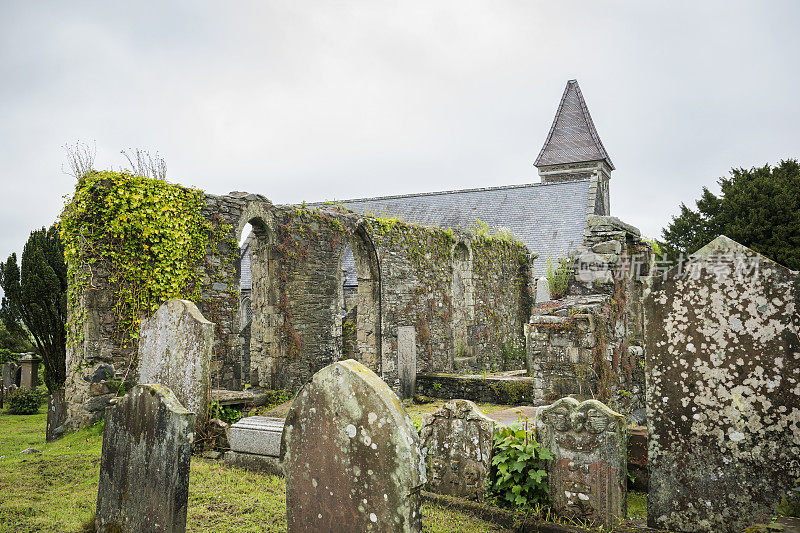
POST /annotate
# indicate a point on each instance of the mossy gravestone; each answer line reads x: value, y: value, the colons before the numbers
x: 351, y: 455
x: 175, y: 350
x: 457, y: 440
x: 587, y: 478
x: 723, y: 389
x: 144, y: 466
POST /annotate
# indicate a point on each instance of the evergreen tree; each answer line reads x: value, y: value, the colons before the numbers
x: 759, y: 208
x: 36, y: 298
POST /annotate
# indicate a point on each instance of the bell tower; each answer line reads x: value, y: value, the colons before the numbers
x: 574, y: 151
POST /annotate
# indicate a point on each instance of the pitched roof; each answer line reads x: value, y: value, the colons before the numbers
x: 573, y: 137
x: 549, y: 218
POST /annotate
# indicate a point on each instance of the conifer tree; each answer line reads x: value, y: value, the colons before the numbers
x: 759, y: 208
x: 36, y: 299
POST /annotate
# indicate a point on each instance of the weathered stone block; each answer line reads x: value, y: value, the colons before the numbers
x: 723, y: 389
x: 250, y: 461
x: 56, y: 415
x: 175, y: 350
x: 29, y: 378
x: 258, y: 435
x: 144, y: 466
x: 351, y: 455
x: 588, y: 476
x: 407, y: 359
x: 608, y: 247
x: 542, y: 290
x: 457, y: 440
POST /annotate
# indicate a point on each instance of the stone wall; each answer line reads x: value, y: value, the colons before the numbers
x: 503, y: 390
x: 407, y: 276
x: 591, y: 342
x: 723, y: 389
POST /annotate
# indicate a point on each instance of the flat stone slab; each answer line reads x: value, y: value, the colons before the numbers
x: 259, y: 435
x: 510, y: 416
x: 258, y: 463
x: 351, y: 455
x: 239, y: 397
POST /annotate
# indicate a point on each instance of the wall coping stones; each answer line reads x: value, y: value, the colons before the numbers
x: 600, y: 223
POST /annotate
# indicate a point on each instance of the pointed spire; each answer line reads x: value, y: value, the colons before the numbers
x: 572, y: 136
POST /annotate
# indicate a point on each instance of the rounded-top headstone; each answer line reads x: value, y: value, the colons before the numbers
x: 351, y: 455
x: 175, y: 350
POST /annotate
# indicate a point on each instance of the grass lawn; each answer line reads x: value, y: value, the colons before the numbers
x: 57, y: 489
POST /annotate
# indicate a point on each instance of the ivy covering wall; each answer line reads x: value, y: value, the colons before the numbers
x: 145, y: 236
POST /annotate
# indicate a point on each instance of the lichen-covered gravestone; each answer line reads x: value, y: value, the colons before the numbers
x: 457, y: 440
x: 723, y: 389
x: 144, y: 466
x: 175, y: 350
x: 407, y: 359
x: 56, y: 415
x: 588, y: 476
x: 351, y: 456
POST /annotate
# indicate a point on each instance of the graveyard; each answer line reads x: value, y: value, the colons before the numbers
x: 237, y: 365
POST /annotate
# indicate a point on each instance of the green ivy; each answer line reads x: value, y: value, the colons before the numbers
x: 518, y: 476
x: 149, y: 234
x: 225, y: 413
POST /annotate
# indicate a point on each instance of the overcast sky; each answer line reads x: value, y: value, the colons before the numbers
x: 302, y: 100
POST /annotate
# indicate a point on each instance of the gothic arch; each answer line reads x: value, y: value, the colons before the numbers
x: 258, y: 340
x: 366, y: 298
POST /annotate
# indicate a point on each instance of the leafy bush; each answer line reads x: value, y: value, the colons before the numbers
x: 513, y: 350
x: 790, y: 505
x: 518, y: 468
x: 23, y: 402
x: 225, y: 413
x: 558, y: 276
x: 6, y: 356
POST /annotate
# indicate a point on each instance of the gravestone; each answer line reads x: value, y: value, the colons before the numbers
x: 255, y: 444
x: 723, y: 389
x: 56, y: 415
x: 10, y: 373
x: 351, y: 456
x: 542, y: 290
x: 29, y: 377
x: 175, y: 350
x: 407, y: 360
x: 588, y: 476
x: 144, y: 466
x: 457, y: 441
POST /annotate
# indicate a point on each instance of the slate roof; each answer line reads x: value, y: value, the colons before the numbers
x: 245, y: 281
x: 549, y: 218
x: 573, y: 137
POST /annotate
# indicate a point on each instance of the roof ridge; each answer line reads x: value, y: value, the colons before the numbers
x: 437, y: 193
x: 587, y: 117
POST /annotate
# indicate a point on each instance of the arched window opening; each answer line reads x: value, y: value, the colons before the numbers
x: 463, y: 307
x: 361, y: 320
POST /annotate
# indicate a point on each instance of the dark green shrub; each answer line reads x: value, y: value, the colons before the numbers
x: 790, y: 505
x: 225, y: 413
x: 23, y: 402
x: 518, y: 468
x: 7, y: 356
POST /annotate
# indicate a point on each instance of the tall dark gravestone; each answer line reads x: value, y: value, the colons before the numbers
x: 723, y: 389
x: 144, y: 467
